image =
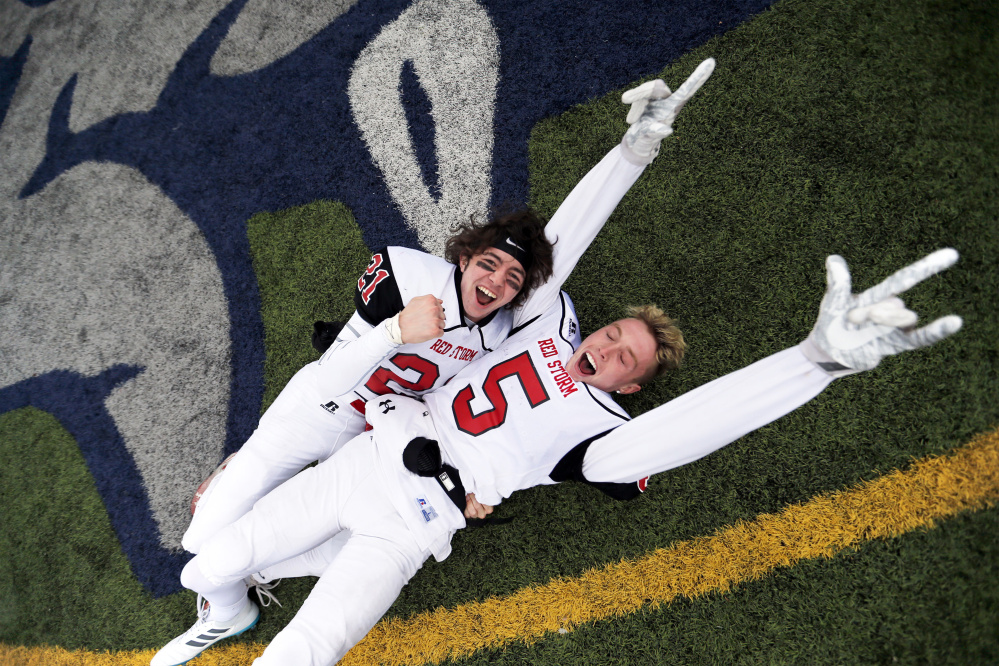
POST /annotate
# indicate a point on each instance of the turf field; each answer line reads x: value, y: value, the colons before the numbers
x: 162, y: 264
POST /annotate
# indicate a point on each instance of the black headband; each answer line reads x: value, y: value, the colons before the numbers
x: 515, y: 250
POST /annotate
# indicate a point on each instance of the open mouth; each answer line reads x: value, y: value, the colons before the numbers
x: 586, y: 365
x: 484, y: 296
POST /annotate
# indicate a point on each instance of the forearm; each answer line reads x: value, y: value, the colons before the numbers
x: 705, y: 419
x: 357, y: 351
x: 578, y: 220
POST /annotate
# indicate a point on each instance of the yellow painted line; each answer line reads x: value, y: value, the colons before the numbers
x: 932, y: 489
x: 235, y: 654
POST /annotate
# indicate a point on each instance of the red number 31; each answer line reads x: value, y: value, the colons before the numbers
x: 372, y: 270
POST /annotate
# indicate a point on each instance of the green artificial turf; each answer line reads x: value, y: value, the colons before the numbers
x: 862, y: 127
x: 827, y: 127
x: 64, y: 579
x: 818, y: 133
x: 307, y: 260
x: 929, y: 597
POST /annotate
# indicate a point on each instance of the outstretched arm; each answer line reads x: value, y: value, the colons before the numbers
x: 853, y: 333
x: 583, y: 213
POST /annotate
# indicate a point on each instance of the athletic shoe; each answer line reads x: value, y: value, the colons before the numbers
x: 205, y: 489
x: 204, y: 634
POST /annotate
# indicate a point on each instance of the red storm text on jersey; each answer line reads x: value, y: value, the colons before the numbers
x: 507, y: 419
x: 395, y: 276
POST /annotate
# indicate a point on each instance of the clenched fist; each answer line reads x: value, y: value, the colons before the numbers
x: 422, y: 319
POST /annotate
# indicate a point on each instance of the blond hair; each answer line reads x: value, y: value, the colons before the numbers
x: 669, y: 340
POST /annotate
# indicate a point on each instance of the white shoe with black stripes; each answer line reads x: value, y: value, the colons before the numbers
x: 204, y: 634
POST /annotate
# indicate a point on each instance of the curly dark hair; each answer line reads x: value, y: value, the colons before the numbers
x: 523, y: 225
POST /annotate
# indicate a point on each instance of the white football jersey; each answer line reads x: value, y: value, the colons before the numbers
x: 508, y: 419
x: 393, y: 278
x: 515, y: 419
x: 397, y: 275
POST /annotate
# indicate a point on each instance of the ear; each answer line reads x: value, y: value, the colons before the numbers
x: 629, y: 388
x: 463, y: 262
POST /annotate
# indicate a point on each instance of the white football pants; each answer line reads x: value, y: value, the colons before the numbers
x: 380, y: 555
x: 294, y: 432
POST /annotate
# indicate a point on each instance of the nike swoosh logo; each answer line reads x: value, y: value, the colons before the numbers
x: 515, y: 245
x: 842, y: 338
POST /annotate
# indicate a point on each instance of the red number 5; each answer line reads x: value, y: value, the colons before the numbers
x: 519, y: 366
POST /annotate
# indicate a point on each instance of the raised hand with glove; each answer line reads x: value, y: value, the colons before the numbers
x: 653, y: 110
x: 855, y: 331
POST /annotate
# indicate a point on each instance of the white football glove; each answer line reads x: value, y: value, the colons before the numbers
x: 854, y: 332
x: 653, y: 110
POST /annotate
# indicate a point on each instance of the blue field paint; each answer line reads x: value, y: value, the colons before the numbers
x: 10, y: 75
x: 421, y: 127
x: 77, y: 402
x: 225, y: 148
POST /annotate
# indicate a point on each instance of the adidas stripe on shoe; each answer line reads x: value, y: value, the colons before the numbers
x: 204, y: 634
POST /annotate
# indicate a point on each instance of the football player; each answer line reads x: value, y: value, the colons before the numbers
x: 537, y: 410
x: 420, y: 319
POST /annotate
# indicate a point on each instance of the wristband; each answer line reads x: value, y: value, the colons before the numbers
x: 392, y: 331
x: 824, y: 361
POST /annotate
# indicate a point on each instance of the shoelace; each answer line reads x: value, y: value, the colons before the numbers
x: 203, y: 609
x: 264, y: 593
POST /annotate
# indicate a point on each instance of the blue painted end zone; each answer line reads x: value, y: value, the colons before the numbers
x: 10, y: 75
x: 77, y: 402
x: 225, y: 148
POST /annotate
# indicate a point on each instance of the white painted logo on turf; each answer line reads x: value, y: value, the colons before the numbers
x: 454, y: 49
x: 110, y: 260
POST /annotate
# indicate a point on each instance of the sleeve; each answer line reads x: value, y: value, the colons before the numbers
x: 578, y: 221
x: 365, y: 340
x: 354, y: 356
x: 570, y: 468
x: 704, y: 420
x: 378, y: 296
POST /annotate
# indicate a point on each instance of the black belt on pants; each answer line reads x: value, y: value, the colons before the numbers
x: 422, y: 457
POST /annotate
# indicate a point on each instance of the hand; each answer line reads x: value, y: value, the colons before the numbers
x: 475, y: 510
x: 422, y: 319
x: 654, y: 108
x: 856, y: 331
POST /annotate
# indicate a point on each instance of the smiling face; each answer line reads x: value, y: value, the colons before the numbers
x: 618, y: 357
x: 489, y: 280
